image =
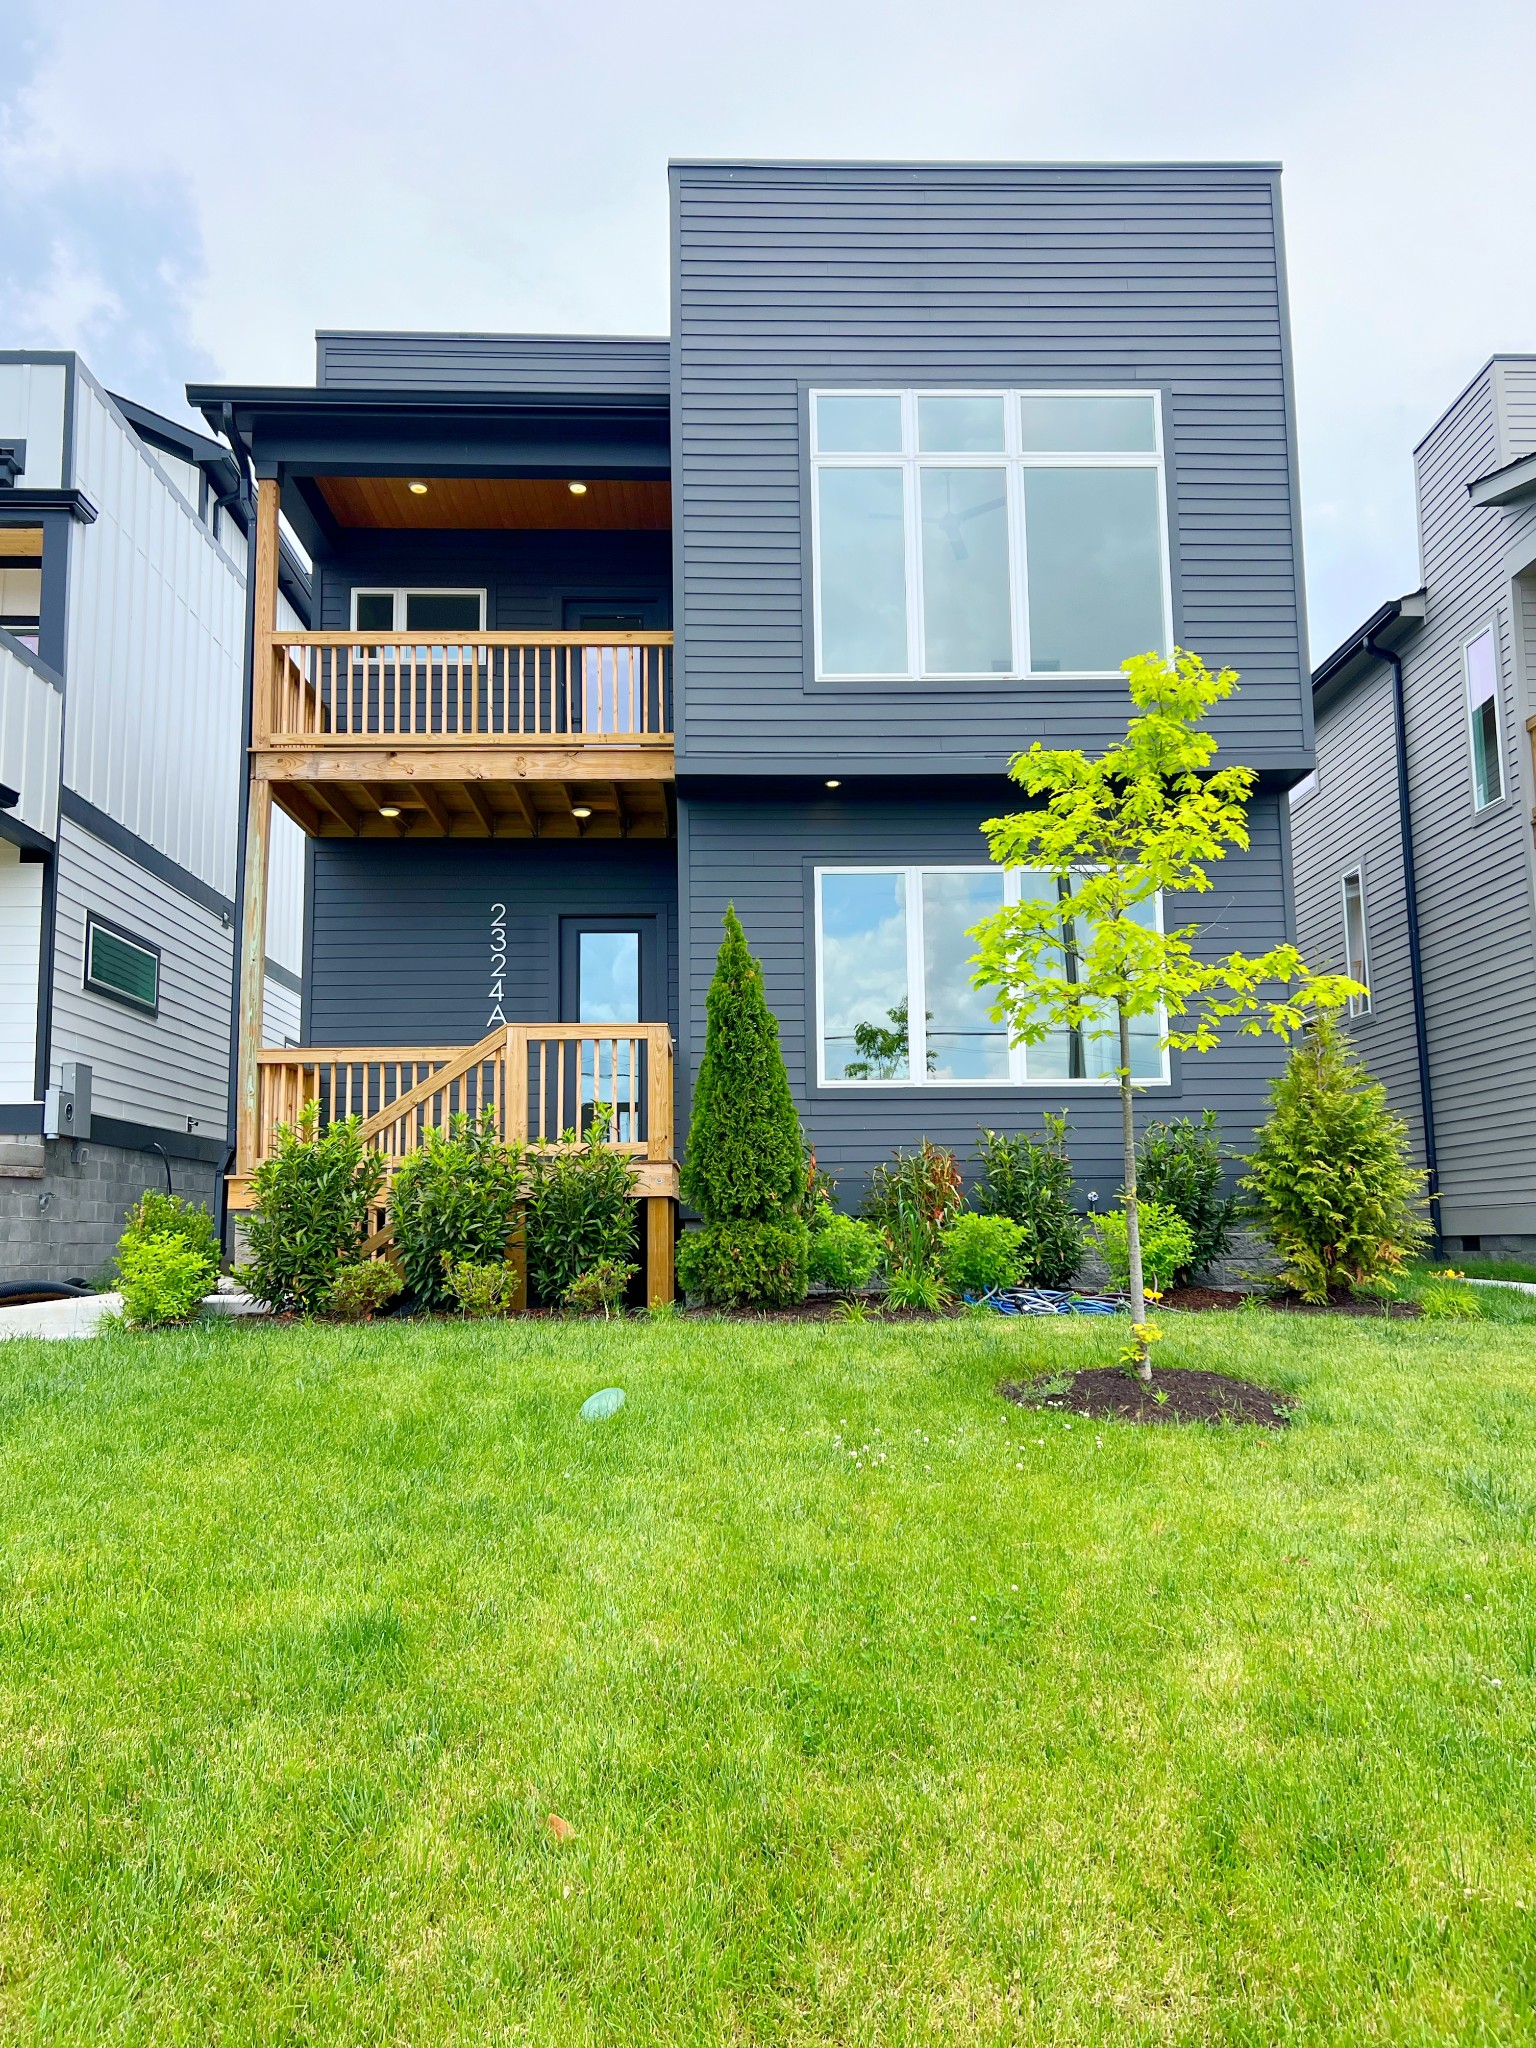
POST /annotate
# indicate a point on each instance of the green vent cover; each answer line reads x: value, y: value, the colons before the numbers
x: 123, y: 968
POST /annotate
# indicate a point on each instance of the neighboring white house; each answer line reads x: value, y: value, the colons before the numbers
x: 122, y: 633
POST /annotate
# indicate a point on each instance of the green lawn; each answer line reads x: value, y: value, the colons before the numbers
x: 882, y: 1711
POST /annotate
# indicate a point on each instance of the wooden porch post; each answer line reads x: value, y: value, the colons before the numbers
x: 258, y: 835
x: 661, y: 1282
x: 660, y: 1221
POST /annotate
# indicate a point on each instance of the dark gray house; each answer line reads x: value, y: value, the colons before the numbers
x: 1413, y: 845
x: 612, y: 633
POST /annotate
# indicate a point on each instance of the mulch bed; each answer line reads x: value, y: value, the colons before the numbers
x: 1338, y: 1304
x: 1107, y: 1394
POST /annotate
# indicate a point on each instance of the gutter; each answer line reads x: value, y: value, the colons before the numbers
x: 1369, y: 645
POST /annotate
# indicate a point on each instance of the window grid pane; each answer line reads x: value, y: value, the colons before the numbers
x: 1483, y: 711
x: 1079, y: 528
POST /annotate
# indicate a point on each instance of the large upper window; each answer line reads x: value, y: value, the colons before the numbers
x: 968, y: 535
x: 894, y: 995
x: 1482, y: 662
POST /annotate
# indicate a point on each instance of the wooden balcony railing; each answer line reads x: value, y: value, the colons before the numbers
x: 541, y: 1081
x: 389, y: 689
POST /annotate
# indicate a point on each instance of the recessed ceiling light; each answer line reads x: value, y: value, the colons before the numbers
x: 577, y: 490
x: 389, y: 810
x: 834, y: 782
x: 581, y: 810
x: 417, y: 490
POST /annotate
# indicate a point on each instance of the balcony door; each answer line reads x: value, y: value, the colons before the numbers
x: 609, y: 975
x: 612, y: 677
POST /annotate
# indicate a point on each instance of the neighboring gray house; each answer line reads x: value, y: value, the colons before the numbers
x: 612, y: 633
x: 1412, y: 839
x: 122, y: 635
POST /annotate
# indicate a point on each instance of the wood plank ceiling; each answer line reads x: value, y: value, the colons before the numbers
x: 479, y: 809
x: 493, y: 504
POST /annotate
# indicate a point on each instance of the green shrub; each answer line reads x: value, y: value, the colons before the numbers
x: 730, y: 1265
x: 359, y: 1292
x: 914, y: 1287
x: 483, y: 1290
x: 978, y: 1253
x: 163, y: 1278
x: 1180, y: 1165
x: 311, y: 1215
x: 1030, y: 1180
x: 1339, y: 1199
x: 157, y: 1215
x: 844, y: 1251
x: 600, y: 1290
x: 745, y: 1159
x: 1166, y: 1244
x: 454, y: 1201
x: 580, y: 1211
x: 910, y: 1201
x: 1446, y: 1298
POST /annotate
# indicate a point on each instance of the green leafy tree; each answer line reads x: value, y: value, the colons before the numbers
x: 1342, y: 1204
x: 1084, y: 953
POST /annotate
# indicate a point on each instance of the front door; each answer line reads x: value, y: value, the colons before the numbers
x: 608, y: 976
x: 618, y: 682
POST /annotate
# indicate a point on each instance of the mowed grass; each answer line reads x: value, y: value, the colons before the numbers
x: 882, y: 1711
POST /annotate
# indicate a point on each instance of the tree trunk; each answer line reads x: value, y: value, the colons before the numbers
x: 1132, y: 1210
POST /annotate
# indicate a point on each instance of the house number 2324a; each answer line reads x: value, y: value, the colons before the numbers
x: 498, y: 988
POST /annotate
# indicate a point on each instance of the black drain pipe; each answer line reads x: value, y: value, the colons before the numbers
x: 1411, y: 909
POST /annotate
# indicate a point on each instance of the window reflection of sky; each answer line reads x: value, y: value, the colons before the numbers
x: 864, y: 959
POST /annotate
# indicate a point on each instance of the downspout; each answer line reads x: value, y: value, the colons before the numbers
x: 1411, y: 909
x: 247, y: 498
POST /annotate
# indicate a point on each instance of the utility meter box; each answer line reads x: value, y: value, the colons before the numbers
x: 67, y: 1108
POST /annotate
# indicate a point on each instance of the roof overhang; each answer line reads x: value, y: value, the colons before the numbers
x: 1512, y: 484
x: 1384, y: 632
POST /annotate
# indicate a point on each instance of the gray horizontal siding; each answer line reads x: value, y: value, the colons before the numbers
x: 786, y: 275
x: 535, y: 363
x: 758, y: 855
x: 526, y: 576
x: 400, y: 934
x: 1352, y: 822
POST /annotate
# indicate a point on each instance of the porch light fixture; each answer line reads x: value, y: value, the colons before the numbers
x: 577, y: 490
x: 417, y: 490
x: 389, y: 810
x: 834, y: 782
x: 581, y: 810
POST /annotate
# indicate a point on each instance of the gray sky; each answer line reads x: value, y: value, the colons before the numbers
x: 190, y: 189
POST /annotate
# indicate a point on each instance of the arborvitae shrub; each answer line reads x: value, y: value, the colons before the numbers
x: 1180, y: 1164
x: 747, y: 1263
x: 746, y: 1160
x: 1339, y: 1199
x: 1030, y: 1180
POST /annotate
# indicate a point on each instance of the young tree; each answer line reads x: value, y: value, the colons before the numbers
x: 1084, y: 951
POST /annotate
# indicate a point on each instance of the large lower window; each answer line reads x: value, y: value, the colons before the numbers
x: 1482, y: 663
x: 970, y: 535
x: 894, y: 995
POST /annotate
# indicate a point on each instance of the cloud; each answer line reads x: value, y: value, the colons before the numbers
x: 237, y: 177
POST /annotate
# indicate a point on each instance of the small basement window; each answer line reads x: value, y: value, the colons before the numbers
x: 120, y: 966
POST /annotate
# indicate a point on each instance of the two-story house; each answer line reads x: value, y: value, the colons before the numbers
x: 123, y: 604
x: 610, y: 634
x: 1414, y: 857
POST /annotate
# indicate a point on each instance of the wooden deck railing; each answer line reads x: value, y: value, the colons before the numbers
x: 542, y: 1081
x: 389, y: 688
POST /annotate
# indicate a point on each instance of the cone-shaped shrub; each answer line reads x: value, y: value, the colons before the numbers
x: 1341, y: 1202
x: 745, y: 1160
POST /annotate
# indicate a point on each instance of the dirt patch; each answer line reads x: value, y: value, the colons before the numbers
x: 1110, y: 1395
x: 1202, y: 1298
x: 1199, y: 1299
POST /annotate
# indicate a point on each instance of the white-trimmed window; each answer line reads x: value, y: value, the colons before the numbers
x: 418, y: 611
x: 1357, y: 959
x: 121, y: 966
x: 977, y: 535
x: 1480, y: 657
x: 894, y: 1001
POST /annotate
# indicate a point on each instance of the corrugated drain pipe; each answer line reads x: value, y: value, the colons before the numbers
x: 1411, y: 910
